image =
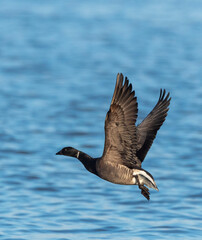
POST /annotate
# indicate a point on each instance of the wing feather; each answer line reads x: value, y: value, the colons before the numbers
x: 147, y: 129
x: 120, y: 129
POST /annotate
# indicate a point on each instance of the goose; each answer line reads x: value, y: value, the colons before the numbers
x: 126, y: 144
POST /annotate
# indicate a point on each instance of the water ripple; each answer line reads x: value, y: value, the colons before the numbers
x: 58, y: 67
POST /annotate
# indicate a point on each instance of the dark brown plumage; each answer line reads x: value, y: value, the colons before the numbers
x: 147, y: 129
x: 125, y: 144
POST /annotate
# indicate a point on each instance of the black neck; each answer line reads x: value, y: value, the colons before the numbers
x: 88, y: 162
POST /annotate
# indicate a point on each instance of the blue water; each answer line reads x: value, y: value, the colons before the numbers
x: 58, y: 64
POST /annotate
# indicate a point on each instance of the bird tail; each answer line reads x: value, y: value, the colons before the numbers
x: 144, y: 178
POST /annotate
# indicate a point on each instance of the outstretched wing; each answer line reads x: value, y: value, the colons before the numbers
x: 147, y: 129
x: 120, y: 129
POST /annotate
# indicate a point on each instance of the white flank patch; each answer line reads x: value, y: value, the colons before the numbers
x: 77, y: 155
x: 137, y: 172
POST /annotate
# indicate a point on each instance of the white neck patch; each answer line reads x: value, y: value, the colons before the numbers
x: 77, y: 155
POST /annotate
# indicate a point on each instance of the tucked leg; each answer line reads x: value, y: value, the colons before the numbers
x: 144, y: 190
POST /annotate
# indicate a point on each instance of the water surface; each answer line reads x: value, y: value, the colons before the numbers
x: 58, y: 64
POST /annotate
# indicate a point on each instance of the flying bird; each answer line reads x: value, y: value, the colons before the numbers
x: 126, y: 144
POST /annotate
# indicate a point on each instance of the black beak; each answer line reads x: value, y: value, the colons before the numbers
x: 58, y: 153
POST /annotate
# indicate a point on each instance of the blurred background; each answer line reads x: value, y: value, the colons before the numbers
x: 58, y: 65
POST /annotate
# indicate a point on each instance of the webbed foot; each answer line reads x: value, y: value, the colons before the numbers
x: 145, y: 192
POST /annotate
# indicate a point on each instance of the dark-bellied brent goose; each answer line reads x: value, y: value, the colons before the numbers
x: 126, y: 145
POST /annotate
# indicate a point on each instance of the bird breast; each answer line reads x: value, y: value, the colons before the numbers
x: 115, y: 173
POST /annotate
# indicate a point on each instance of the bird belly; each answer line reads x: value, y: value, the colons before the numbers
x: 115, y: 173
